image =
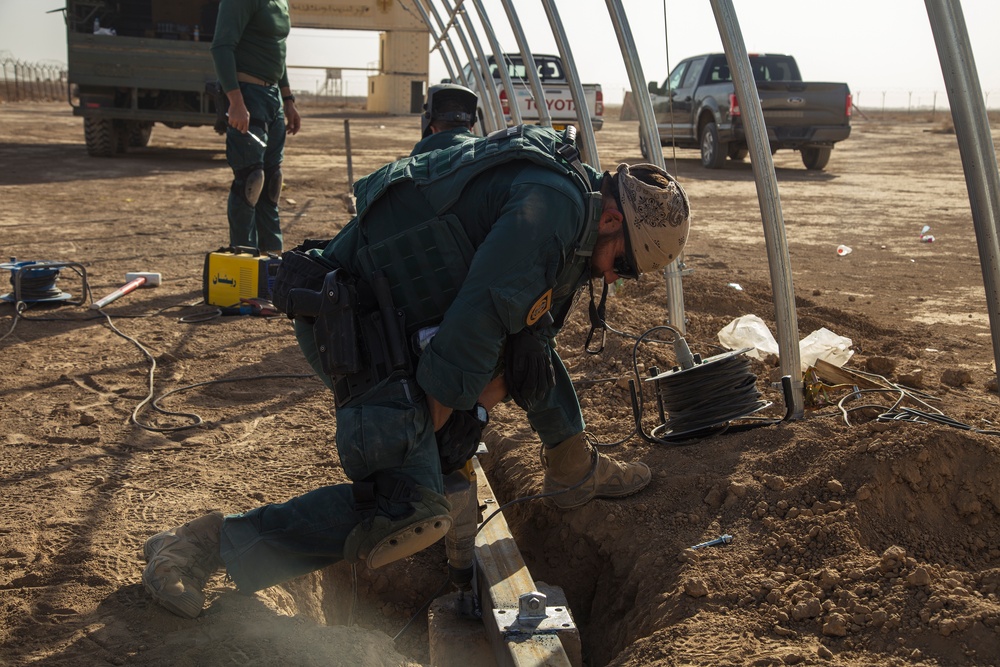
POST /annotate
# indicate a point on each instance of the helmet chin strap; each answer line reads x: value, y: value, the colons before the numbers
x: 597, y: 322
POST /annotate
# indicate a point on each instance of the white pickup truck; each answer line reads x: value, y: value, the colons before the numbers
x: 558, y: 98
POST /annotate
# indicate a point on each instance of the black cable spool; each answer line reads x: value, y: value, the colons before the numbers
x: 35, y: 282
x: 706, y: 396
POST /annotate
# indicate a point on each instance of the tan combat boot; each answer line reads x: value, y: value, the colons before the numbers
x: 383, y: 540
x: 572, y: 460
x: 180, y: 561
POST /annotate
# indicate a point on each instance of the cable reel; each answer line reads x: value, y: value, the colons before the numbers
x: 699, y: 397
x: 35, y: 282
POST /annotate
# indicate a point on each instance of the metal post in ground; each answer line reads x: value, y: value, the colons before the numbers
x: 767, y: 197
x: 501, y: 62
x: 528, y: 60
x: 488, y: 91
x: 589, y: 145
x: 490, y: 120
x: 350, y: 168
x: 437, y: 42
x: 975, y: 144
x: 647, y: 122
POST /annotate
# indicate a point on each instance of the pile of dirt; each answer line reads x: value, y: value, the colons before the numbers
x: 861, y: 544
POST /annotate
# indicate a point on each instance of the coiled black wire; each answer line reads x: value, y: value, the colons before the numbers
x: 35, y: 283
x: 707, y: 395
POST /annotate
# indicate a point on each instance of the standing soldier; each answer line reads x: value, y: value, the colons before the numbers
x: 249, y: 53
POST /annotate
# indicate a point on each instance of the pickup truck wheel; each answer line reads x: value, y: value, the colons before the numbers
x: 738, y: 152
x: 99, y: 133
x: 713, y: 154
x: 139, y: 133
x: 816, y: 158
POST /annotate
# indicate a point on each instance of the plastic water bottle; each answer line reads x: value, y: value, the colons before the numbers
x: 97, y: 25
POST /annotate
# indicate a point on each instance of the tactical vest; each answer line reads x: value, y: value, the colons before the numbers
x: 442, y: 242
x: 431, y: 171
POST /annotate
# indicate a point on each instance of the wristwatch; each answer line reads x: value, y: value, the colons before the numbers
x: 481, y: 415
x: 288, y: 98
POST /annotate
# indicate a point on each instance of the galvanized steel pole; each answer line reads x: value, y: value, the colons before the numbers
x: 446, y: 38
x: 647, y: 123
x: 488, y: 91
x: 489, y: 114
x: 437, y: 40
x: 579, y: 97
x: 498, y: 56
x: 975, y: 143
x: 767, y: 198
x: 530, y: 69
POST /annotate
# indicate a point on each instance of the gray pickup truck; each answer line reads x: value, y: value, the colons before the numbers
x: 134, y: 63
x: 696, y: 107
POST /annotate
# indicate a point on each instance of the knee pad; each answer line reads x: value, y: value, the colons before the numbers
x: 249, y: 183
x: 273, y: 181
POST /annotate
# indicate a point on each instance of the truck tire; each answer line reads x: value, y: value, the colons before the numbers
x: 816, y: 158
x: 139, y: 133
x: 738, y: 152
x: 713, y: 154
x: 99, y: 133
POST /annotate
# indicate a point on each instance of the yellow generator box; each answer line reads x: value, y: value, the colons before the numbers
x: 237, y: 272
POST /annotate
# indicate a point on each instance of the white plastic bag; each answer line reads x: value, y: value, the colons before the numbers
x: 749, y: 331
x: 826, y: 345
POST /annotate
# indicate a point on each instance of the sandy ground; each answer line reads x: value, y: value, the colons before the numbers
x: 855, y: 543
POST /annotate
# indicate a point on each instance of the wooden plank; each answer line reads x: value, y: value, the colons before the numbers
x: 136, y: 62
x: 835, y: 375
x: 503, y: 578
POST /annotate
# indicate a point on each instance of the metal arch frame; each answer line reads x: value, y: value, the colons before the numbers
x: 489, y: 118
x: 443, y: 36
x: 768, y: 199
x: 968, y: 111
x: 489, y: 91
x: 965, y: 98
x: 544, y: 118
x: 975, y: 144
x: 589, y: 147
x: 437, y: 41
x: 648, y: 128
x: 498, y: 56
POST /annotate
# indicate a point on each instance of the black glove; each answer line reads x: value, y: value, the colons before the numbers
x: 459, y: 438
x: 297, y: 270
x: 527, y: 368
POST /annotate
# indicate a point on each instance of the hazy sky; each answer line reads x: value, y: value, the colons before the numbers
x: 876, y: 46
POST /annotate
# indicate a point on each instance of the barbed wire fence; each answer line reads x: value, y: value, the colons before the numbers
x: 878, y: 102
x: 22, y: 81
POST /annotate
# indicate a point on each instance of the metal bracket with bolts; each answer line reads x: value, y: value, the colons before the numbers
x: 533, y: 617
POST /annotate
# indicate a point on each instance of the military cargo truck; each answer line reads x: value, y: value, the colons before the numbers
x: 134, y: 63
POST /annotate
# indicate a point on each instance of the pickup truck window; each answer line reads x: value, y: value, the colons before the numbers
x: 693, y: 72
x: 674, y: 80
x: 549, y: 69
x: 774, y: 68
x: 764, y: 68
x: 719, y: 73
